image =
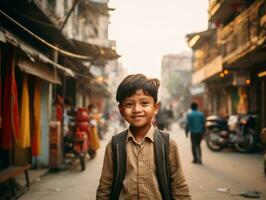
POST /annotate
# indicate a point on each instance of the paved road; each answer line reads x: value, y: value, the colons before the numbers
x: 235, y: 171
x: 228, y: 169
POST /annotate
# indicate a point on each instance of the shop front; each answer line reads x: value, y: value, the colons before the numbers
x: 26, y: 104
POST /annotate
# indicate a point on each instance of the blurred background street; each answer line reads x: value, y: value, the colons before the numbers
x: 61, y: 62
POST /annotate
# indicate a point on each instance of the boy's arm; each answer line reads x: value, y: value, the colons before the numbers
x: 179, y: 186
x: 105, y: 186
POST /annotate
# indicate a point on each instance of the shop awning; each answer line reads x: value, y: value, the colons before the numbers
x: 33, y: 55
x: 95, y: 51
x: 195, y: 39
x: 39, y: 69
x: 99, y: 89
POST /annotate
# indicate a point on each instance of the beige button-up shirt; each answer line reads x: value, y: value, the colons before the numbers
x: 141, y: 180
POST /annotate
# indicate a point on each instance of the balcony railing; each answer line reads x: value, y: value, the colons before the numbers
x: 205, y: 54
x: 244, y: 33
x: 213, y: 7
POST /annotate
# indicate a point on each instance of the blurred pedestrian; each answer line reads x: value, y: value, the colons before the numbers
x: 69, y: 116
x: 196, y: 126
x: 93, y: 120
x: 170, y: 117
x: 161, y: 117
x: 141, y: 162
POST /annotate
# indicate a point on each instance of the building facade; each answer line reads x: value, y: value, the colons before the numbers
x: 176, y: 81
x: 229, y: 57
x: 48, y: 50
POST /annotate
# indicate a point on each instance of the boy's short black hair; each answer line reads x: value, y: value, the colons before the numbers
x: 135, y: 82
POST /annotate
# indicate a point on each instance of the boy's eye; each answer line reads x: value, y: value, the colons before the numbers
x: 145, y: 103
x: 128, y: 104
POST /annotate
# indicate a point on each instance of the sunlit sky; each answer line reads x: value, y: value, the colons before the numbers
x: 145, y: 30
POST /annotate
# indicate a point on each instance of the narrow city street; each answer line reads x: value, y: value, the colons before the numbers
x: 65, y: 65
x: 230, y: 172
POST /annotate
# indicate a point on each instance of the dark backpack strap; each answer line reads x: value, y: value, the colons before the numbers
x: 161, y: 140
x: 119, y: 161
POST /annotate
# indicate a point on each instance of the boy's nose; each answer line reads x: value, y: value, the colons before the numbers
x: 137, y: 108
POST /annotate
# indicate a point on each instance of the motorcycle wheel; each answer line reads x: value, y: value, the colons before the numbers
x: 82, y: 159
x: 246, y: 145
x: 211, y: 144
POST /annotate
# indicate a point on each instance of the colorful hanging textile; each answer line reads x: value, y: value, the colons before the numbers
x: 95, y: 142
x: 10, y: 104
x: 36, y: 136
x: 24, y: 137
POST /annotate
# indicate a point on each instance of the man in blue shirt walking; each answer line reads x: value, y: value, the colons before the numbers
x: 196, y: 126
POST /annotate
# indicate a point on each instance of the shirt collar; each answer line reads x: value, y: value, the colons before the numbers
x: 148, y: 135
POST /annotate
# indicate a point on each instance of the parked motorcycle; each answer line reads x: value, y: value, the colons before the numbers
x: 235, y: 132
x: 77, y: 140
x: 247, y: 133
x: 81, y: 147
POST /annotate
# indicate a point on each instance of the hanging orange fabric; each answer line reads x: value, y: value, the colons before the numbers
x: 24, y: 137
x: 36, y: 137
x: 95, y: 142
x: 10, y: 104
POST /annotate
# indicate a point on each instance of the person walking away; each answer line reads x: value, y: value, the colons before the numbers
x: 196, y: 126
x: 141, y: 162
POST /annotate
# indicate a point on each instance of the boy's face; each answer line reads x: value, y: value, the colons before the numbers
x: 138, y: 109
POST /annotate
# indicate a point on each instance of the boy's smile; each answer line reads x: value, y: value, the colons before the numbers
x: 138, y: 109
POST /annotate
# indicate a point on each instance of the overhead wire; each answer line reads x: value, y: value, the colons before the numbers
x: 64, y: 52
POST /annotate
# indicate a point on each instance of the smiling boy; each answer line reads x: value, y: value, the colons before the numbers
x: 142, y: 162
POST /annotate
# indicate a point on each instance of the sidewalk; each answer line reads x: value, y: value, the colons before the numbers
x: 35, y: 175
x: 73, y: 183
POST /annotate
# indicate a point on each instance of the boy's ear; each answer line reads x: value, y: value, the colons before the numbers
x: 156, y: 106
x: 121, y: 110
